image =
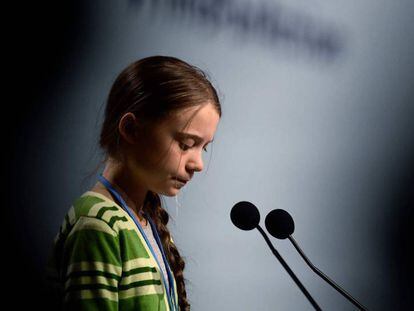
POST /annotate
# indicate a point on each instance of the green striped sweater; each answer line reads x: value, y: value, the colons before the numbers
x: 100, y: 260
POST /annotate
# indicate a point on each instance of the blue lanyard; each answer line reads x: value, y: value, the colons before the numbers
x: 170, y: 291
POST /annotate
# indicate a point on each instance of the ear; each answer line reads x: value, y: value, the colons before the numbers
x: 127, y: 127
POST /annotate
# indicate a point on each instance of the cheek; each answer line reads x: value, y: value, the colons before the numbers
x: 168, y: 161
x: 174, y: 158
x: 152, y: 151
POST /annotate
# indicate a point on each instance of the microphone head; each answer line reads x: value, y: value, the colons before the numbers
x: 245, y: 215
x: 279, y: 224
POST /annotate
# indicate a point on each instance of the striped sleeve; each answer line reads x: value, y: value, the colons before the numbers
x: 91, y: 266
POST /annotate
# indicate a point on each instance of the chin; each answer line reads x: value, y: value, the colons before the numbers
x: 171, y: 192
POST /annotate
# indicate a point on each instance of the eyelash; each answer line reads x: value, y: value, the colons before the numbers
x: 186, y: 147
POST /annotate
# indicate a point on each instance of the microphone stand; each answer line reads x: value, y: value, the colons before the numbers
x: 287, y: 268
x: 327, y: 279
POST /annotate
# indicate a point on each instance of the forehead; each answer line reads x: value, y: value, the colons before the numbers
x: 199, y: 120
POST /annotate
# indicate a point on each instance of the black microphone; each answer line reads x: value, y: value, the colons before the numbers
x: 280, y: 224
x: 246, y: 216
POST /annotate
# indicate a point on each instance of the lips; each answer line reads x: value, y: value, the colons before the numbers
x: 181, y: 179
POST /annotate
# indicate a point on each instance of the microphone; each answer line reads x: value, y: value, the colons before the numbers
x: 280, y: 224
x: 246, y: 216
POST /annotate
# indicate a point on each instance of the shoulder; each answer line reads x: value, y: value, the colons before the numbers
x: 93, y: 210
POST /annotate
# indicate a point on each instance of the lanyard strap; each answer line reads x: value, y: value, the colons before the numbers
x: 170, y: 291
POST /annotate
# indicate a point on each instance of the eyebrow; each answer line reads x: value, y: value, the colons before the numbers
x: 193, y: 136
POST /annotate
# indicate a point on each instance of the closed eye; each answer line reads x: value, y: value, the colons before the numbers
x: 185, y: 147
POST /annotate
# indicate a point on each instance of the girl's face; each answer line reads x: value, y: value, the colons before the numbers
x: 165, y: 158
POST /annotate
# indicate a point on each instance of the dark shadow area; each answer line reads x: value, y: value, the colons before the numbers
x: 43, y: 38
x: 401, y: 241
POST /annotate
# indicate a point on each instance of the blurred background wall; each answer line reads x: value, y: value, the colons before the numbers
x: 317, y: 101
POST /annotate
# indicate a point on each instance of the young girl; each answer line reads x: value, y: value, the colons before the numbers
x: 114, y: 250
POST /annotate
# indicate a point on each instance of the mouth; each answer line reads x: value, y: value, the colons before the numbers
x: 184, y: 181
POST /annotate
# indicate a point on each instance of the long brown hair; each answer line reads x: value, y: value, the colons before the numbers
x: 154, y: 88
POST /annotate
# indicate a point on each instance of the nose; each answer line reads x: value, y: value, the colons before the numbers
x: 195, y: 163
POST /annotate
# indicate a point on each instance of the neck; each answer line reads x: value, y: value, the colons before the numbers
x: 122, y: 180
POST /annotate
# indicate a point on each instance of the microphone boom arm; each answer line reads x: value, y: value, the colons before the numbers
x: 287, y: 268
x: 326, y: 278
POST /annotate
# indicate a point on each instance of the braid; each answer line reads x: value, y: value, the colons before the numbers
x: 152, y: 206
